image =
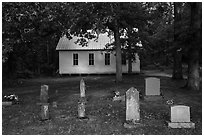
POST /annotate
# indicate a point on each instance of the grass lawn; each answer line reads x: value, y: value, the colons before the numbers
x: 106, y: 117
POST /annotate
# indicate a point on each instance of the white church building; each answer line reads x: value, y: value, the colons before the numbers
x: 91, y: 59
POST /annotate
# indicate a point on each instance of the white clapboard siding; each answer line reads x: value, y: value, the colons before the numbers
x: 67, y: 48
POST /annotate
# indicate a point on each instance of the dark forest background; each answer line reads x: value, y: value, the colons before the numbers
x: 170, y: 32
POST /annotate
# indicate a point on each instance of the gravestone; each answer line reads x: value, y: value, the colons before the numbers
x: 82, y: 88
x: 152, y: 86
x: 180, y: 117
x: 132, y: 108
x: 44, y: 113
x: 44, y: 94
x: 81, y: 108
x: 82, y: 101
x: 152, y: 89
x: 54, y: 103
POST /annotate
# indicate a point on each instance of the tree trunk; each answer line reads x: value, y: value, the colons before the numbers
x: 129, y: 66
x: 177, y: 56
x: 48, y: 55
x: 196, y: 44
x: 177, y: 68
x: 193, y: 71
x: 118, y: 52
x: 167, y: 60
x: 38, y: 69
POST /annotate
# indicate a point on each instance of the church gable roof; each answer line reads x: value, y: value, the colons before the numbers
x: 99, y: 44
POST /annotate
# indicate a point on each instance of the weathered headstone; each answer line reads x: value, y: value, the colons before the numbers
x: 44, y: 113
x: 180, y: 117
x: 44, y: 94
x: 82, y: 88
x: 54, y: 103
x: 132, y: 106
x: 82, y: 101
x: 81, y: 108
x: 152, y: 89
x: 152, y: 86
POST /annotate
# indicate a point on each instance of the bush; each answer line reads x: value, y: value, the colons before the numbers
x: 47, y: 69
x: 24, y: 74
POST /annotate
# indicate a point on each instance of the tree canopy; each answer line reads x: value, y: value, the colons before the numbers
x: 31, y: 30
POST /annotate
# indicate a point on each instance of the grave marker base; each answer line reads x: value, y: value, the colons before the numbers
x: 153, y: 98
x: 81, y: 107
x: 132, y: 125
x: 181, y: 125
x: 44, y: 112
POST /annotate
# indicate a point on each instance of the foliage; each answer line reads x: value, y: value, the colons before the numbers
x: 113, y: 18
x: 158, y: 33
x: 99, y: 17
x: 30, y: 33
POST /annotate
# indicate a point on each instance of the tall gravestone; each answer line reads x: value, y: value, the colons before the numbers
x: 152, y: 89
x: 44, y: 113
x: 82, y: 100
x: 180, y: 117
x: 132, y: 107
x: 44, y: 94
x: 82, y: 88
x: 54, y: 103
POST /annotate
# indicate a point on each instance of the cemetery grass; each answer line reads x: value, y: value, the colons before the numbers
x: 105, y: 116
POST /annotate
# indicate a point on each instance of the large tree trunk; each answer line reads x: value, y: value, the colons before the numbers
x: 193, y: 70
x: 118, y: 52
x: 129, y: 65
x: 196, y: 29
x: 177, y: 68
x: 177, y: 56
x: 48, y: 54
x: 129, y: 55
